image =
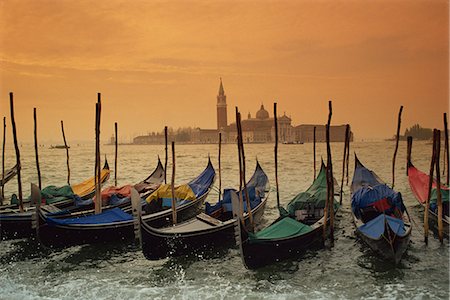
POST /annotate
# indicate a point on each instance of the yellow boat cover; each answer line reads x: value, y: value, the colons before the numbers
x: 182, y: 192
x: 88, y: 186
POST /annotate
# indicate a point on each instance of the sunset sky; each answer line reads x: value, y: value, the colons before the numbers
x: 158, y: 63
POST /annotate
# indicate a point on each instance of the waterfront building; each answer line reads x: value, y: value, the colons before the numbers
x: 259, y: 129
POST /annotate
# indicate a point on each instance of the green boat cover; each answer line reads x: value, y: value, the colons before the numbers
x: 444, y: 195
x: 445, y: 199
x: 314, y: 196
x: 284, y: 228
x: 53, y: 194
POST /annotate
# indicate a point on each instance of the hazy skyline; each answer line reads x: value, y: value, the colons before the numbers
x: 158, y: 63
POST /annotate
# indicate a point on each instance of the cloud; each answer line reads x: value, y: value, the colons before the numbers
x: 166, y: 52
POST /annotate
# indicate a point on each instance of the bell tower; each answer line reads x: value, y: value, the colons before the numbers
x: 221, y: 108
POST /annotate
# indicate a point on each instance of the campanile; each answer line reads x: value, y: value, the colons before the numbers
x: 221, y: 108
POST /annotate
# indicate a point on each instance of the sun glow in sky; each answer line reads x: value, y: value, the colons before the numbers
x: 158, y: 63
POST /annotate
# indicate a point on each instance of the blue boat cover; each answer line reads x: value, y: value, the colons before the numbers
x: 108, y: 216
x: 81, y: 202
x: 201, y: 184
x: 367, y: 195
x: 375, y: 227
x: 114, y: 200
x: 226, y: 201
x: 364, y: 177
x: 256, y: 187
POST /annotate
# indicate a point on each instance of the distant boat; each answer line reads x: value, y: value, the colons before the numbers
x: 293, y: 143
x: 59, y: 147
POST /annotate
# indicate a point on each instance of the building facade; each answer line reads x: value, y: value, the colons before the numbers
x: 305, y: 133
x: 259, y: 129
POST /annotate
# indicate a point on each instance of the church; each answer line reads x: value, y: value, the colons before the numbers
x: 261, y: 129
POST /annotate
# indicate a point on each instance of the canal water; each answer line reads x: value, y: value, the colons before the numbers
x: 349, y: 270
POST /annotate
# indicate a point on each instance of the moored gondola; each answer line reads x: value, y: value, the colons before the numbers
x: 117, y: 225
x: 209, y: 230
x: 419, y: 182
x: 63, y: 196
x: 15, y: 224
x: 379, y: 215
x: 9, y: 174
x: 300, y: 227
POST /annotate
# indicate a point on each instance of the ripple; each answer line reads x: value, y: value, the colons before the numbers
x: 349, y: 270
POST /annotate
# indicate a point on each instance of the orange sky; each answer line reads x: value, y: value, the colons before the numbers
x: 158, y: 63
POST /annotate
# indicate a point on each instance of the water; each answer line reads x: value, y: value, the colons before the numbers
x: 348, y: 270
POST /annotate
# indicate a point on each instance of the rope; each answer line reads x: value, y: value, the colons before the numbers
x: 414, y: 223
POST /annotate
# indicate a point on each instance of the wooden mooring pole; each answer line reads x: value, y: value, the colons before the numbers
x: 344, y: 162
x: 116, y: 148
x: 276, y: 153
x: 67, y: 152
x: 220, y: 169
x: 430, y: 185
x: 438, y: 188
x: 348, y: 150
x: 238, y: 139
x: 397, y: 136
x: 244, y: 182
x: 314, y: 151
x: 98, y: 196
x: 165, y: 158
x: 446, y: 152
x: 36, y: 149
x: 408, y: 152
x: 3, y: 161
x: 172, y: 182
x: 330, y: 181
x: 16, y: 147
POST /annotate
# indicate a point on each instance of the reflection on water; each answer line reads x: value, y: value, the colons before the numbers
x: 348, y: 270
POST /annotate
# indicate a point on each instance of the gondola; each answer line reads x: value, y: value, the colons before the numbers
x: 16, y: 224
x: 114, y: 196
x: 117, y: 225
x: 379, y: 215
x: 211, y: 229
x: 59, y: 147
x: 19, y: 225
x: 419, y: 181
x: 300, y: 227
x: 4, y: 178
x: 63, y: 196
x: 9, y: 175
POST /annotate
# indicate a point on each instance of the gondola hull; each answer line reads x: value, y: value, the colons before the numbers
x: 419, y: 182
x: 384, y: 241
x: 158, y: 244
x: 58, y: 236
x: 383, y: 247
x: 16, y: 226
x: 298, y: 229
x: 433, y: 222
x: 261, y: 253
x: 20, y: 225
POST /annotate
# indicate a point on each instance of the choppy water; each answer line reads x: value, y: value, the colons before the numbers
x: 348, y: 270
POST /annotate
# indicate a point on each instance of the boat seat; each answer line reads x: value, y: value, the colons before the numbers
x: 368, y: 213
x: 208, y: 219
x: 50, y: 208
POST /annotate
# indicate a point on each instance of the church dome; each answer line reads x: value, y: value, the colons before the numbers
x: 284, y: 119
x: 262, y: 113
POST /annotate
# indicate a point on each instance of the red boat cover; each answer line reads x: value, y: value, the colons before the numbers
x: 419, y: 183
x: 122, y: 192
